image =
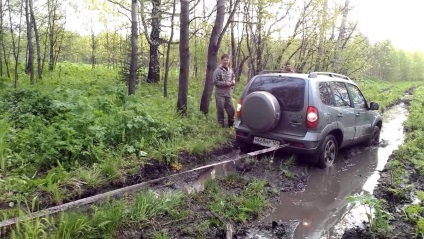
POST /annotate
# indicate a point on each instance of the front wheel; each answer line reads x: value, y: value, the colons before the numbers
x: 328, y: 152
x: 375, y: 137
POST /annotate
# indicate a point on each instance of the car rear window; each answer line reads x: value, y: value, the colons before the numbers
x: 289, y: 91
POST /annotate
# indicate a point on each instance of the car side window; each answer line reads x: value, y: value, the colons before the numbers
x: 341, y: 94
x: 357, y: 97
x: 325, y: 93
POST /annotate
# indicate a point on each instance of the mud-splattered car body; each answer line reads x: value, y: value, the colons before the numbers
x: 314, y: 114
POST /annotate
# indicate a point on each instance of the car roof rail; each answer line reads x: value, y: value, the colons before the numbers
x: 270, y: 71
x: 330, y: 74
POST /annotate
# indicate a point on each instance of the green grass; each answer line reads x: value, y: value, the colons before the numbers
x: 233, y: 198
x: 82, y: 120
x: 383, y: 92
x: 237, y: 207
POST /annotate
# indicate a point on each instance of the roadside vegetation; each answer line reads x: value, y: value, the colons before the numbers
x: 79, y: 131
x: 233, y: 200
x: 396, y: 210
x: 385, y: 93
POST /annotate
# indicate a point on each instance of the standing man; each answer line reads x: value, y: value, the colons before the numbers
x: 224, y: 81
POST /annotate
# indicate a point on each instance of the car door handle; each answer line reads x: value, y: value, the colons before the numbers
x: 340, y: 115
x: 358, y: 114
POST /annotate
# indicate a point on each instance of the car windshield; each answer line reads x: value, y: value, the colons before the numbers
x: 289, y: 91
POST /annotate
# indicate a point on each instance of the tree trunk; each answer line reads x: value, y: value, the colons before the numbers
x: 217, y: 34
x: 211, y: 57
x: 1, y: 36
x: 46, y: 45
x: 339, y: 45
x: 184, y: 57
x: 168, y: 51
x: 233, y: 45
x: 16, y: 49
x: 30, y: 66
x: 153, y: 75
x: 3, y: 48
x: 37, y: 40
x: 259, y: 43
x: 322, y: 30
x: 93, y: 50
x: 134, y: 50
x: 51, y: 6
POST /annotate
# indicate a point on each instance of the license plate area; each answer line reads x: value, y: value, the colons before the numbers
x: 266, y: 142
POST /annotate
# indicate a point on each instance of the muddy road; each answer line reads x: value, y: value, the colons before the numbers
x: 312, y: 203
x: 321, y: 210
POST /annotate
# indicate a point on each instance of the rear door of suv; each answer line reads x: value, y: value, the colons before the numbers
x: 291, y: 93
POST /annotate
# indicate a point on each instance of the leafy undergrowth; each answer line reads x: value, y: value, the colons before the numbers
x: 400, y: 192
x: 77, y: 132
x: 233, y: 200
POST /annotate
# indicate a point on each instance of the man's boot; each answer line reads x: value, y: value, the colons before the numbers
x: 230, y: 123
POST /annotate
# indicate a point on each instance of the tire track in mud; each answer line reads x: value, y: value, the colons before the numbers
x: 85, y: 202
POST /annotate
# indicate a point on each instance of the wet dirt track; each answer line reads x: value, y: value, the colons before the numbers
x: 319, y: 209
x: 322, y: 206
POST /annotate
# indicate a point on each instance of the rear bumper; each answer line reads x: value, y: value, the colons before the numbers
x: 308, y: 145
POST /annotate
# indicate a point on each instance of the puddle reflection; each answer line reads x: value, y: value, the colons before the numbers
x: 322, y: 205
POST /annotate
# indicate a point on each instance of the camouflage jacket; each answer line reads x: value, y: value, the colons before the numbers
x: 220, y: 78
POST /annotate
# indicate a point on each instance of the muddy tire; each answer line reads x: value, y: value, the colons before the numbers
x: 328, y: 152
x: 244, y: 147
x: 375, y: 137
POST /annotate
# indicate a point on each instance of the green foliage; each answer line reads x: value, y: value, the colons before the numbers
x: 74, y: 225
x: 4, y: 145
x: 378, y: 217
x: 420, y: 228
x: 414, y: 212
x: 383, y: 92
x: 237, y: 207
x: 161, y: 235
x: 150, y: 205
x: 83, y: 121
x: 287, y: 166
x: 92, y: 177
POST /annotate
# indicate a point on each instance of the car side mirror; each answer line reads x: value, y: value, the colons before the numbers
x: 374, y: 106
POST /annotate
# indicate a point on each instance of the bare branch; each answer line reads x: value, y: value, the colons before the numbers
x: 119, y: 4
x: 124, y: 14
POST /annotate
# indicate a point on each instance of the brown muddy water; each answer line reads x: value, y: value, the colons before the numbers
x: 321, y: 209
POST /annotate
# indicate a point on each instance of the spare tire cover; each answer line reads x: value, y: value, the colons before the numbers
x: 260, y: 111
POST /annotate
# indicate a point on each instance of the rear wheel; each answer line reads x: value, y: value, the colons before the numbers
x: 244, y: 147
x: 328, y: 152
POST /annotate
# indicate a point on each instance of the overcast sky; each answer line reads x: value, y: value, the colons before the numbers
x: 400, y: 21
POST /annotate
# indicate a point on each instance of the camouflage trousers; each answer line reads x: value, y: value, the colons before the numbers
x: 224, y: 103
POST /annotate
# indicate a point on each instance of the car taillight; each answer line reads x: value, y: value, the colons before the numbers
x: 239, y: 109
x: 312, y: 117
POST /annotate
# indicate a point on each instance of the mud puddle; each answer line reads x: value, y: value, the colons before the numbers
x: 321, y: 210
